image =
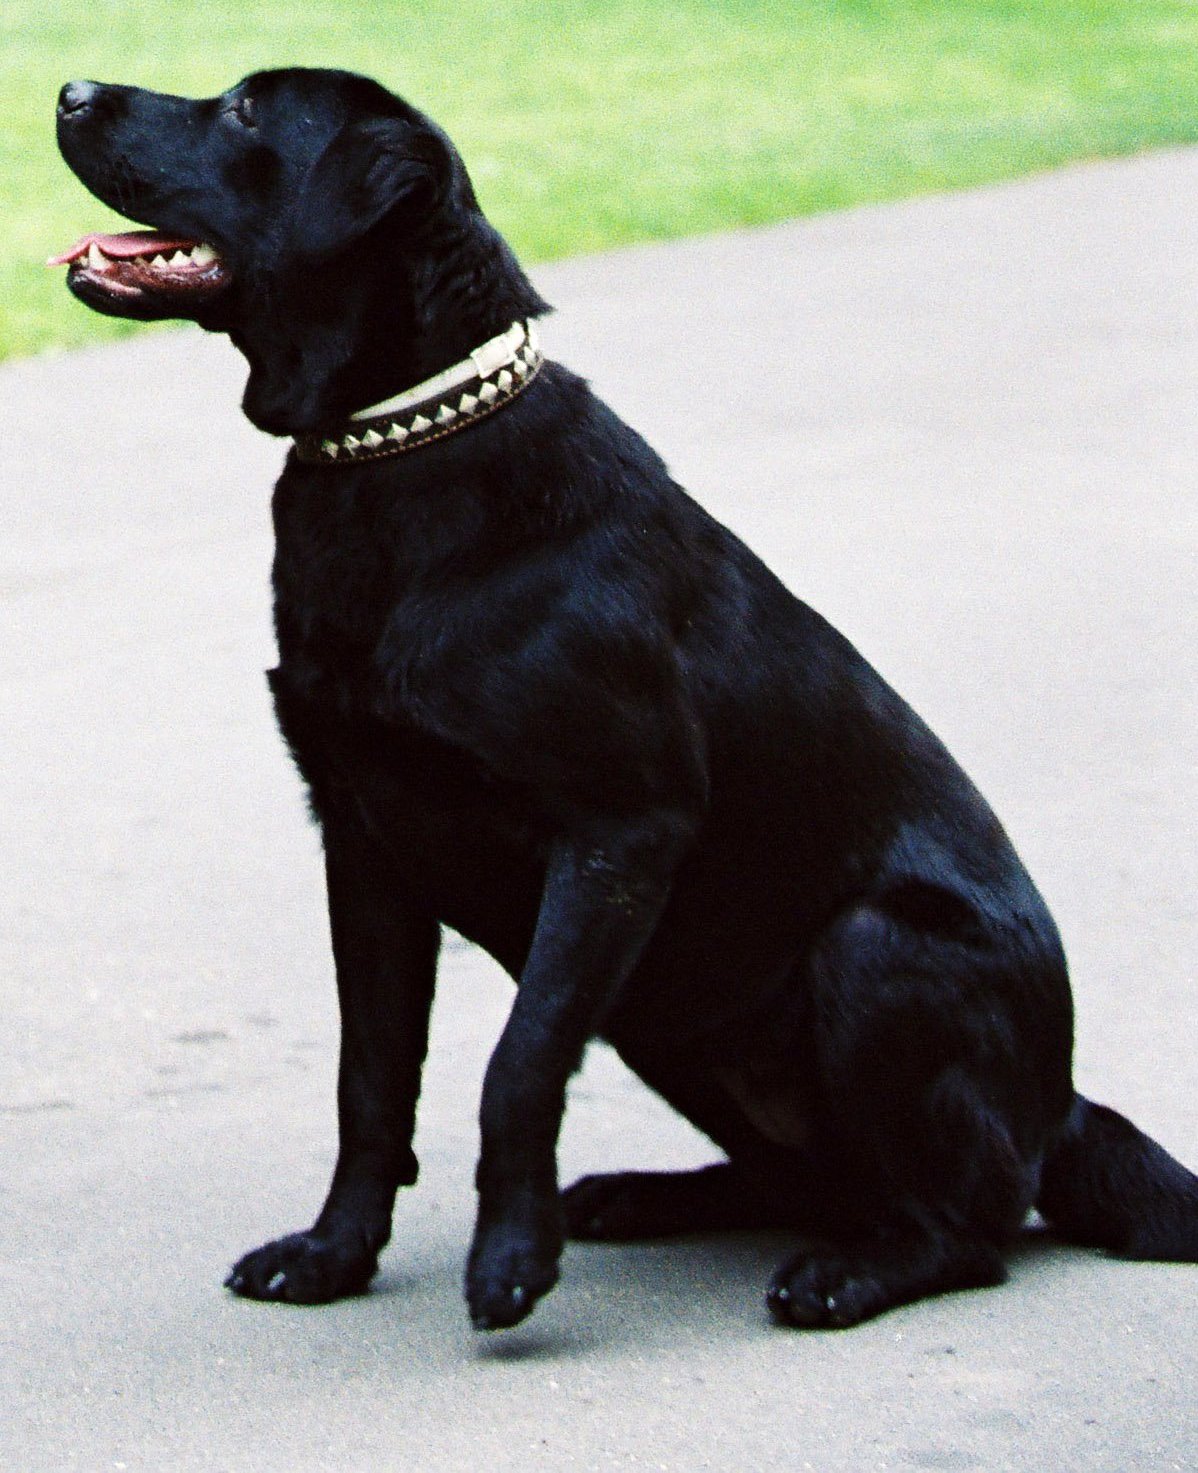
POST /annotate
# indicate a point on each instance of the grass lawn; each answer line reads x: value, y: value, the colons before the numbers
x: 590, y: 123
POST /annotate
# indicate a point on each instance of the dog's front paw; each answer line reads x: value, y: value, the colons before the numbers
x: 507, y: 1273
x: 303, y: 1269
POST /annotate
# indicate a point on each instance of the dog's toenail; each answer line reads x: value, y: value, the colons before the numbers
x: 518, y: 1295
x: 276, y: 1281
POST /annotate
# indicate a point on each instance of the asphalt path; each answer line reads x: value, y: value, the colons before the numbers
x: 965, y: 429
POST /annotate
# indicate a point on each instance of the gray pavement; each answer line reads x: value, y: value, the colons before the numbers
x: 964, y: 428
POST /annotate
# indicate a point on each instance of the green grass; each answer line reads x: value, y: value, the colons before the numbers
x: 589, y: 124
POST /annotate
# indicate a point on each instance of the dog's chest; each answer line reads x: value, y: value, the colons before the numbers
x: 468, y: 847
x: 365, y: 582
x: 365, y: 642
x: 333, y: 585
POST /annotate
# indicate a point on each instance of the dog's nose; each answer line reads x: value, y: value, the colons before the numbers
x: 76, y: 98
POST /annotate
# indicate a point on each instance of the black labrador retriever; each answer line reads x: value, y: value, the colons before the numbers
x: 539, y: 696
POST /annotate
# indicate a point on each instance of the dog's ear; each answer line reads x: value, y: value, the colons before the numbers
x: 366, y: 171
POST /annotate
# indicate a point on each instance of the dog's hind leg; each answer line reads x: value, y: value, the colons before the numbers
x: 626, y: 1206
x: 922, y: 1210
x: 899, y: 1262
x: 763, y: 1184
x: 928, y: 1109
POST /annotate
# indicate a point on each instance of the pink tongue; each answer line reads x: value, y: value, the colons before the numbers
x: 122, y: 247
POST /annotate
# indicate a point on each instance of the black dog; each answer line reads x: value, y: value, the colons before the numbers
x: 539, y: 696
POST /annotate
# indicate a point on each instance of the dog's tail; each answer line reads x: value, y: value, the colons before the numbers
x: 1106, y: 1185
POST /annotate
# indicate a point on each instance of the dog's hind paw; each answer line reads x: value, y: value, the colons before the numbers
x: 825, y: 1293
x: 619, y: 1207
x: 302, y: 1269
x: 626, y: 1206
x: 833, y: 1290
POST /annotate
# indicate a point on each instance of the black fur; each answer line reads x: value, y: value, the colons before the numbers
x: 538, y: 695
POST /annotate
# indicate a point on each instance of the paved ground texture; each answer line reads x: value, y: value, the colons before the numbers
x: 966, y: 429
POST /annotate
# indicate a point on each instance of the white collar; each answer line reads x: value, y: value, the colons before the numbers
x: 495, y: 354
x: 488, y: 378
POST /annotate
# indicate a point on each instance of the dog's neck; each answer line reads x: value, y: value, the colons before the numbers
x: 391, y: 312
x: 484, y: 381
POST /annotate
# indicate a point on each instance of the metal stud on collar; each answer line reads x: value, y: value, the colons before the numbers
x: 510, y: 370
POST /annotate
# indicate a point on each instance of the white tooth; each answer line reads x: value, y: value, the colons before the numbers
x: 159, y: 263
x: 203, y: 255
x: 179, y: 259
x: 96, y: 259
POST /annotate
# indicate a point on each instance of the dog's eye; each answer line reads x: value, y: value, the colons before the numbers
x: 241, y: 110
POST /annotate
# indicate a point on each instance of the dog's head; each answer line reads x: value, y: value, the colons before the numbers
x: 327, y: 226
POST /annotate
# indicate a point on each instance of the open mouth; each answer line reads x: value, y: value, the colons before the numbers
x: 143, y: 271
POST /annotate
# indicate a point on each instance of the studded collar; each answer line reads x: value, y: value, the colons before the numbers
x: 484, y: 381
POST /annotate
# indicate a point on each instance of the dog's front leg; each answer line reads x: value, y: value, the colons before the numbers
x: 385, y: 951
x: 604, y: 892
